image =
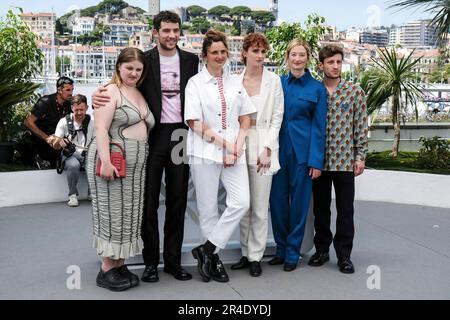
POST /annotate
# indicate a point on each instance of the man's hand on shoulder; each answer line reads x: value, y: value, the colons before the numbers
x: 100, y: 97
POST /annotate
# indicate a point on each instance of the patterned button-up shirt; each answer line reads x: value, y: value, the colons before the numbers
x: 346, y: 140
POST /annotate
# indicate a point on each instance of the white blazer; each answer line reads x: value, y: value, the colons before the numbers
x: 268, y: 121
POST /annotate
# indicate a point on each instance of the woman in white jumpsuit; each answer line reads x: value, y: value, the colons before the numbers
x: 217, y: 111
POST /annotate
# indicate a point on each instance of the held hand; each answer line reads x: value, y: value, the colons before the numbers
x: 108, y: 171
x: 314, y: 173
x: 229, y: 160
x: 231, y: 147
x: 239, y: 152
x: 53, y: 142
x: 358, y: 168
x: 50, y: 139
x: 99, y: 98
x: 263, y: 162
x: 62, y: 143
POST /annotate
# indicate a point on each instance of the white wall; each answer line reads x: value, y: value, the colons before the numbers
x: 404, y: 187
x: 38, y: 186
x: 28, y: 187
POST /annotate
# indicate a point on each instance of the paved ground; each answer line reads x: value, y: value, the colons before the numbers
x: 408, y: 247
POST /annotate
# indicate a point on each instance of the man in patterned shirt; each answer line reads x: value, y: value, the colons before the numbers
x: 346, y: 149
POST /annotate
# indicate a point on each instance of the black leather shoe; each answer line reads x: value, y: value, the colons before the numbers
x: 318, y: 259
x: 241, y: 264
x: 346, y: 266
x: 178, y: 273
x: 289, y: 266
x: 218, y: 272
x: 134, y: 279
x: 276, y: 260
x: 255, y: 269
x: 112, y: 280
x: 203, y: 262
x: 150, y: 274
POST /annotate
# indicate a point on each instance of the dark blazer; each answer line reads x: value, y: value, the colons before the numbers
x: 151, y: 86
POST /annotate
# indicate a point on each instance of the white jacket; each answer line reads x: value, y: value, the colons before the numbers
x: 268, y: 121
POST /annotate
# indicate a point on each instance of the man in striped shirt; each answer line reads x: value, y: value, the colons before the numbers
x: 345, y: 153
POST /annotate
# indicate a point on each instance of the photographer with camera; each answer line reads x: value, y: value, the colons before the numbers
x: 38, y: 143
x: 73, y: 134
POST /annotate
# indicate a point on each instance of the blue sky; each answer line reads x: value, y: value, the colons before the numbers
x: 340, y: 13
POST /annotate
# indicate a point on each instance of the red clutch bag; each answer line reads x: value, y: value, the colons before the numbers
x: 118, y: 160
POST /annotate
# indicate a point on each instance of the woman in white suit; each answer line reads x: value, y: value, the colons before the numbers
x: 265, y: 90
x: 217, y: 111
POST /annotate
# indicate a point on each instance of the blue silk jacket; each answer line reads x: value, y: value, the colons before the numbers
x: 304, y: 120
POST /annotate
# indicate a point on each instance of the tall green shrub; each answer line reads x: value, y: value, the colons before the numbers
x: 434, y: 154
x: 20, y: 59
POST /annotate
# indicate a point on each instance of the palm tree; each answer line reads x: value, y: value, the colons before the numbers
x: 12, y: 92
x: 393, y: 78
x: 441, y: 9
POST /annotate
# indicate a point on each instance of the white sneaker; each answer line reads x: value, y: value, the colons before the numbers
x: 73, y: 201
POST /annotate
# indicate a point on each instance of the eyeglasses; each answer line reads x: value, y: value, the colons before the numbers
x: 62, y: 81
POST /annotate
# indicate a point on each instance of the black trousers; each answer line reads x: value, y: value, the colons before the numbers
x: 344, y: 186
x: 31, y: 145
x: 162, y: 160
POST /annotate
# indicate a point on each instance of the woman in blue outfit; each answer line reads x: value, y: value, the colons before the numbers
x: 302, y: 143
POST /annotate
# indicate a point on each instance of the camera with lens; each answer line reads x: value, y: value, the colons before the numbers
x: 70, y: 148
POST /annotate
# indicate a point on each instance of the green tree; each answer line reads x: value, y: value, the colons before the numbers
x: 280, y: 36
x: 106, y: 6
x: 18, y: 46
x: 241, y: 11
x: 219, y: 10
x: 63, y: 65
x: 263, y: 17
x: 200, y: 25
x: 150, y: 24
x: 236, y: 29
x: 20, y: 59
x: 440, y: 75
x: 434, y: 154
x: 440, y: 9
x: 219, y: 27
x: 59, y: 28
x: 99, y: 31
x: 195, y: 11
x: 365, y: 78
x: 393, y: 79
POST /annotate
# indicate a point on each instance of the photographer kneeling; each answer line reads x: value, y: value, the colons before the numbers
x: 73, y: 134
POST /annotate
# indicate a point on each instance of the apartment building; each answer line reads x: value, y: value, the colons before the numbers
x: 82, y: 26
x: 41, y: 23
x: 414, y: 34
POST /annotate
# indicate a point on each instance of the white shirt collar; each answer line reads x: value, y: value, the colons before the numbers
x: 207, y: 77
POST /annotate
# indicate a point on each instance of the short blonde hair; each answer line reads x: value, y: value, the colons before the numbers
x: 78, y: 99
x: 294, y: 43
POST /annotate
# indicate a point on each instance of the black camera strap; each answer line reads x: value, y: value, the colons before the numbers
x: 72, y: 133
x: 84, y: 126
